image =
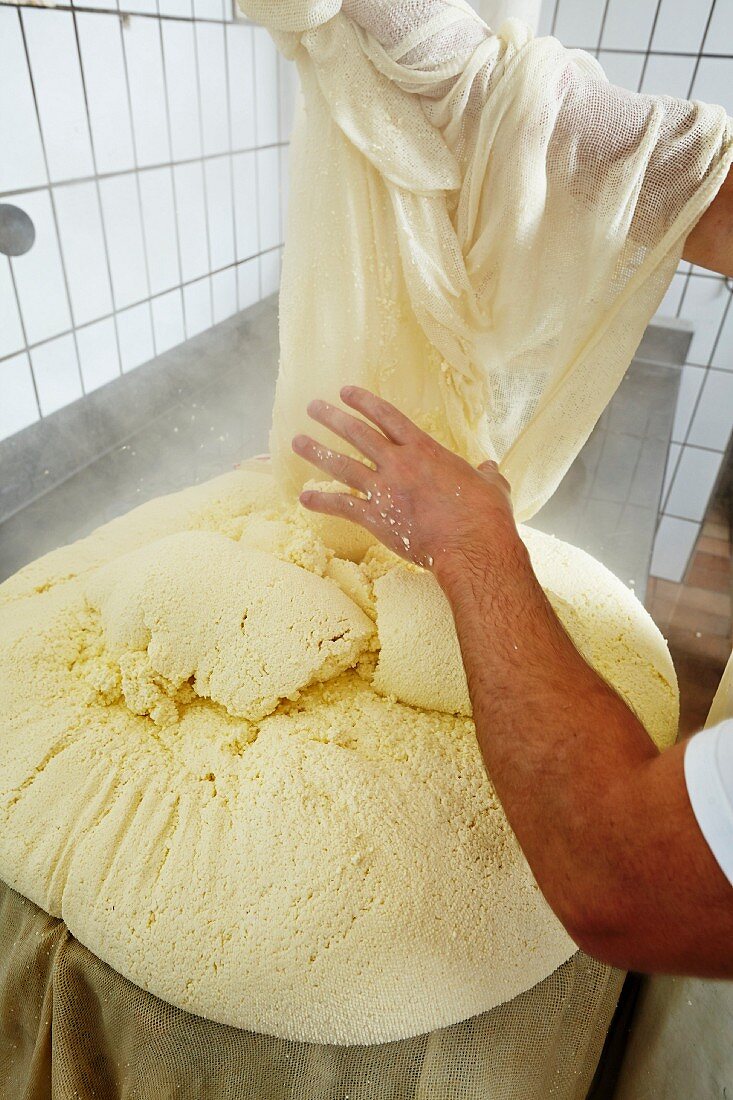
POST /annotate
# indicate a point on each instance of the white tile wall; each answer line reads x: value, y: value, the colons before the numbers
x: 248, y: 282
x: 670, y: 303
x: 720, y: 30
x: 84, y: 251
x: 135, y: 335
x: 691, y: 382
x: 56, y: 74
x: 713, y: 420
x: 11, y: 330
x: 669, y: 75
x: 220, y: 209
x: 704, y: 304
x: 99, y: 357
x: 168, y: 320
x: 244, y: 166
x: 714, y: 80
x: 267, y: 111
x: 19, y: 129
x: 56, y: 372
x: 284, y: 186
x: 103, y: 64
x: 179, y: 51
x: 270, y: 272
x: 672, y: 547
x: 212, y: 68
x: 39, y: 276
x: 628, y: 24
x: 289, y: 94
x: 622, y: 69
x: 197, y: 306
x: 547, y: 14
x: 208, y: 9
x: 670, y: 470
x: 123, y: 221
x: 145, y: 7
x: 681, y: 25
x: 240, y: 73
x: 176, y: 7
x: 159, y: 226
x: 19, y: 407
x: 224, y: 292
x: 268, y: 197
x: 693, y: 483
x: 147, y: 89
x: 578, y: 22
x: 134, y: 149
x: 723, y: 354
x: 192, y: 229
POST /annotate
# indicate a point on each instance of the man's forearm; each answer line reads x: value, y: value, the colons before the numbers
x: 710, y: 244
x: 556, y: 739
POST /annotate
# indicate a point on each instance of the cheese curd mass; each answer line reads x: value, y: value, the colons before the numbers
x: 237, y: 758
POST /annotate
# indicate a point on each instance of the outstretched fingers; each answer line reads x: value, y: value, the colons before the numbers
x: 339, y: 466
x: 366, y: 439
x: 396, y: 426
x: 336, y: 504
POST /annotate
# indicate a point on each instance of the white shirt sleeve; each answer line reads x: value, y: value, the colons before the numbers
x: 709, y: 779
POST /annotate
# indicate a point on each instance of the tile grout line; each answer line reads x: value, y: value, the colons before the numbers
x: 54, y: 214
x: 141, y: 302
x: 127, y: 11
x: 203, y: 168
x: 707, y: 368
x: 648, y: 50
x: 554, y: 17
x: 602, y: 27
x: 256, y: 162
x: 99, y: 197
x: 136, y: 172
x: 25, y: 351
x: 227, y: 77
x: 129, y: 171
x: 166, y: 100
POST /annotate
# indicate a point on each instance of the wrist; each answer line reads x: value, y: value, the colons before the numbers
x: 483, y: 560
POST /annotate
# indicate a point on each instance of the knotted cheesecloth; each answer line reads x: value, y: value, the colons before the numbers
x: 480, y: 227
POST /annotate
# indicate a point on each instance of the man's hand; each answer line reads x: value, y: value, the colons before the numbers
x: 418, y: 498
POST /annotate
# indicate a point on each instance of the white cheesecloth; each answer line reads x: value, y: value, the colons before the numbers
x: 480, y: 227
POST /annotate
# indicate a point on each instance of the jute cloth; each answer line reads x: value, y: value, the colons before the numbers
x: 71, y: 1028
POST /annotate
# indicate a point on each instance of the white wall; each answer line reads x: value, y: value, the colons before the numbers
x: 682, y: 48
x: 148, y: 144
